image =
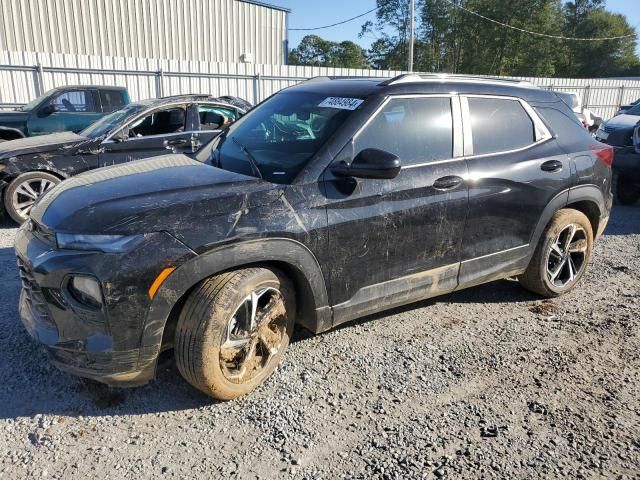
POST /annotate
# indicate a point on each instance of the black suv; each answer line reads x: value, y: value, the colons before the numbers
x: 331, y: 200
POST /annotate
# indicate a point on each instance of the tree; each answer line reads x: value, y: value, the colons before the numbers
x: 316, y: 51
x: 450, y: 39
x: 589, y: 19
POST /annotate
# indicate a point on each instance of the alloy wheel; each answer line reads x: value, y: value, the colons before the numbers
x: 254, y: 335
x: 566, y: 257
x: 27, y: 192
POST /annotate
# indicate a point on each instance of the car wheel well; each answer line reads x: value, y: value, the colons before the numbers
x: 591, y: 210
x: 10, y: 135
x: 50, y: 172
x: 305, y: 300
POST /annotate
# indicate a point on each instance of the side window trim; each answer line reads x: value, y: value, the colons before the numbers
x: 457, y: 115
x: 541, y: 132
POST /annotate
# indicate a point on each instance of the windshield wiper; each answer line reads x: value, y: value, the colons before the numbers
x: 252, y: 159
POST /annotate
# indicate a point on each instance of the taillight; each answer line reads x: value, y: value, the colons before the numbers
x: 604, y: 153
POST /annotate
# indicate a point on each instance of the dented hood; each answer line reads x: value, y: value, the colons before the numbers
x: 40, y: 143
x: 157, y: 194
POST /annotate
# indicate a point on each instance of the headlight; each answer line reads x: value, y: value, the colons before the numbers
x: 100, y: 243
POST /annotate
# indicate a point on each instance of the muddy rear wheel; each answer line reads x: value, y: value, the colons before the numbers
x: 233, y: 331
x: 562, y: 255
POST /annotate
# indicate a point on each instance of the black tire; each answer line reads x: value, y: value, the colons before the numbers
x: 546, y: 261
x: 627, y: 193
x: 205, y: 324
x: 13, y: 199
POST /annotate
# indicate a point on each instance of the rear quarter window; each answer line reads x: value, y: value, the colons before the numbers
x: 499, y: 125
x: 562, y: 120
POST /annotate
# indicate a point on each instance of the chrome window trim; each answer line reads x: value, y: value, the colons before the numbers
x: 164, y: 135
x: 456, y: 113
x: 541, y: 132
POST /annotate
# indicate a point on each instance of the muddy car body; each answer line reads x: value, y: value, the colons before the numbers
x: 331, y: 200
x: 180, y: 124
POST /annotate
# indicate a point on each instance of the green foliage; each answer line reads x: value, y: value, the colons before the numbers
x: 449, y: 39
x: 316, y: 51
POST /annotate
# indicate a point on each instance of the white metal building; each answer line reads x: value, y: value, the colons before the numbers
x: 206, y: 30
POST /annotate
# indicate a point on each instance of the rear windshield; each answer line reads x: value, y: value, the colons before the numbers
x: 279, y: 137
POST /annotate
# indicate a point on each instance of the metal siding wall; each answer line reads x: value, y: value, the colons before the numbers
x: 209, y: 30
x: 253, y: 82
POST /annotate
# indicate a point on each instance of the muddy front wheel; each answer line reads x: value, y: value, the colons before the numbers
x: 233, y: 331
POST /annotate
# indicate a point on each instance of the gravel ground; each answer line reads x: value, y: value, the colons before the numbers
x: 491, y: 382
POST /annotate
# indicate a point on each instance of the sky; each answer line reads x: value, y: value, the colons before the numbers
x: 313, y: 13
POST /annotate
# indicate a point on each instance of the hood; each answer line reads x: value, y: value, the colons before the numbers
x: 623, y: 121
x: 40, y: 143
x: 166, y: 193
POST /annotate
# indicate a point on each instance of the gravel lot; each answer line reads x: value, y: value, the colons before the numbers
x: 487, y: 382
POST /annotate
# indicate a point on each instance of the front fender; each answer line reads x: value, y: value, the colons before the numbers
x: 296, y: 259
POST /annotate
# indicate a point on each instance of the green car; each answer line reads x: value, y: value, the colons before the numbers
x: 71, y: 108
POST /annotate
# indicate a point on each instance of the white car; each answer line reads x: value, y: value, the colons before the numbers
x: 589, y: 119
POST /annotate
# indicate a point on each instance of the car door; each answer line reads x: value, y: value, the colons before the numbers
x: 71, y: 110
x: 157, y: 132
x: 392, y: 241
x: 515, y: 170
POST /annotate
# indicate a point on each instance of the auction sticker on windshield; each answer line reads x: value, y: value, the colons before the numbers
x: 341, y: 103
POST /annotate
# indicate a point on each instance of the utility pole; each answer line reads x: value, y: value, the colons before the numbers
x: 411, y: 33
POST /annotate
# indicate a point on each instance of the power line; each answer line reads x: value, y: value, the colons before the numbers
x: 546, y: 35
x: 334, y: 24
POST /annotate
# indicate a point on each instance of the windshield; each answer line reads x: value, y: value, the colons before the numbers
x: 277, y: 139
x: 635, y: 110
x: 106, y: 124
x: 34, y: 103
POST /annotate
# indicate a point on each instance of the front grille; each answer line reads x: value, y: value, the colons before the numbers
x: 33, y: 295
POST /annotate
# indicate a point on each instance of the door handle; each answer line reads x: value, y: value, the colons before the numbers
x: 448, y: 182
x: 551, y: 166
x: 179, y: 141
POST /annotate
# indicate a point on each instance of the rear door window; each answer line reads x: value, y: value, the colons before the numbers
x: 214, y: 117
x: 499, y: 125
x: 111, y: 100
x: 75, y: 101
x: 417, y: 130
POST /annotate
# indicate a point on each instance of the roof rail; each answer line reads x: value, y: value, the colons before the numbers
x: 196, y: 95
x: 426, y: 77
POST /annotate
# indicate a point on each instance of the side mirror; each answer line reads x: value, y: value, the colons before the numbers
x: 370, y: 163
x: 48, y: 110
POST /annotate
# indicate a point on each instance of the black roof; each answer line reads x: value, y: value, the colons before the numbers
x: 424, y: 83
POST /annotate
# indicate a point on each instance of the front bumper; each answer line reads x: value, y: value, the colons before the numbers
x: 105, y: 344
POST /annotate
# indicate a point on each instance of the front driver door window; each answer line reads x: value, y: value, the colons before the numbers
x: 400, y: 236
x: 159, y: 132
